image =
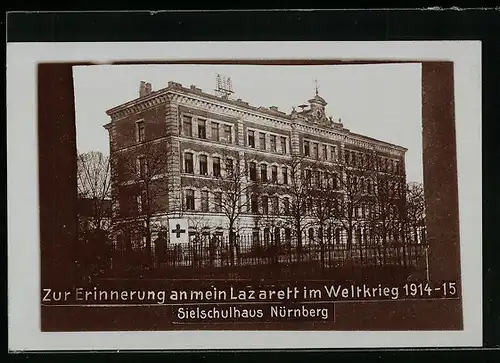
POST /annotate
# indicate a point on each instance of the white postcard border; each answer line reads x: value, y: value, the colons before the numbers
x: 22, y: 200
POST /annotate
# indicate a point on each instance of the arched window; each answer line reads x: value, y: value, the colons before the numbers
x: 310, y: 235
x: 216, y: 166
x: 277, y: 236
x: 267, y: 236
x: 189, y: 199
x: 288, y: 236
x: 252, y: 171
x: 188, y: 163
x: 263, y: 172
x: 203, y: 165
x: 254, y: 203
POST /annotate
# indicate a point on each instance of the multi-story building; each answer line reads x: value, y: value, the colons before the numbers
x: 201, y: 138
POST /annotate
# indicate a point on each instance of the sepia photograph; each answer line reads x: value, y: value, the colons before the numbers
x: 189, y: 179
x: 268, y: 192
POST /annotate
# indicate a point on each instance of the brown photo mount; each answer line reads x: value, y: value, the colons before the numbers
x: 58, y: 222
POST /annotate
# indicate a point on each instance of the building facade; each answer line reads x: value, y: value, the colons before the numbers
x: 179, y: 152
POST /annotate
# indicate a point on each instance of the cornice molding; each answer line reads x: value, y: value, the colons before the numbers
x: 246, y: 113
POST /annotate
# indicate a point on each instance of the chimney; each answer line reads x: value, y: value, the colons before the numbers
x: 142, y: 89
x: 174, y: 84
x: 149, y: 88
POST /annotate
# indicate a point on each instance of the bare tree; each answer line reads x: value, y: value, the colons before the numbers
x: 348, y: 210
x: 415, y: 212
x: 323, y: 193
x: 295, y: 208
x: 144, y: 175
x: 94, y: 186
x: 93, y: 213
x: 386, y: 217
x: 268, y: 218
x: 234, y: 188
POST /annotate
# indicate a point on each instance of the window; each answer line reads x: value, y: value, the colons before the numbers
x: 306, y: 148
x: 274, y: 174
x: 325, y: 179
x: 142, y: 202
x: 275, y: 205
x: 216, y: 166
x: 187, y: 128
x: 317, y: 178
x: 369, y: 187
x: 315, y: 151
x: 324, y: 152
x: 202, y: 129
x: 190, y: 199
x: 262, y: 141
x: 188, y: 163
x: 255, y: 237
x: 263, y: 172
x: 139, y: 203
x: 251, y: 138
x: 286, y: 206
x: 396, y: 167
x: 284, y: 174
x: 265, y: 204
x: 283, y: 144
x: 203, y: 165
x: 272, y: 142
x: 333, y: 151
x: 254, y: 204
x: 218, y: 202
x: 253, y: 171
x: 307, y: 176
x: 215, y: 131
x: 267, y: 234
x: 288, y: 236
x: 141, y: 165
x: 309, y: 205
x: 335, y: 206
x: 140, y: 132
x: 277, y: 236
x: 310, y: 235
x: 204, y: 201
x: 228, y: 136
x: 229, y: 167
x: 335, y: 181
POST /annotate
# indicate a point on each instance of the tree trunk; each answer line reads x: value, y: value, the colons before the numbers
x: 360, y: 247
x: 148, y: 242
x: 231, y: 243
x: 322, y: 248
x: 299, y: 242
x: 384, y: 245
x: 349, y: 245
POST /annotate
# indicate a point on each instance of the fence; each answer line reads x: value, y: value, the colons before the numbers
x: 247, y: 251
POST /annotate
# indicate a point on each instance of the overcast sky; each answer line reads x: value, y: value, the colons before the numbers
x: 380, y: 101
